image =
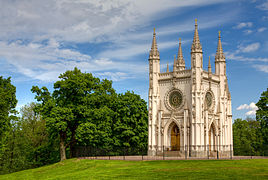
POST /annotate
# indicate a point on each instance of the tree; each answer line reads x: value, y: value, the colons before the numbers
x: 27, y: 143
x: 76, y: 95
x: 131, y: 121
x: 117, y: 126
x: 247, y: 138
x: 262, y: 115
x: 39, y: 147
x: 8, y: 103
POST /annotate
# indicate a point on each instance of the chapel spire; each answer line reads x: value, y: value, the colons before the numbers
x: 219, y: 54
x: 196, y: 45
x: 180, y: 60
x: 180, y: 56
x: 154, y: 51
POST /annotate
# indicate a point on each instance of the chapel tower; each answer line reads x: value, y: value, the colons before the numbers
x: 189, y: 109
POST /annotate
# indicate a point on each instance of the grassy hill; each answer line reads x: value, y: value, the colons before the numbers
x: 104, y: 169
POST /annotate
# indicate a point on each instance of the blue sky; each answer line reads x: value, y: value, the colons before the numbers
x: 112, y: 38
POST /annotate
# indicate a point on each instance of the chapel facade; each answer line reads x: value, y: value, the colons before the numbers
x: 189, y: 109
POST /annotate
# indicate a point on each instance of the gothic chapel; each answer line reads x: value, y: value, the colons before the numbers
x: 189, y: 109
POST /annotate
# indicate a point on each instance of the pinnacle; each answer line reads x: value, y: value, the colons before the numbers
x: 154, y: 51
x: 196, y: 45
x: 219, y: 53
x: 180, y: 56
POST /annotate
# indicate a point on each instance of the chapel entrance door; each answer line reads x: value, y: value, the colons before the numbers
x: 211, y: 137
x: 175, y: 138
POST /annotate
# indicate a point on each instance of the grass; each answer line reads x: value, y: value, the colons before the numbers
x: 116, y: 169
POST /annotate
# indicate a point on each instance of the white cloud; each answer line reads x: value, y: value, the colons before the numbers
x: 261, y: 29
x: 264, y: 18
x: 250, y: 113
x: 46, y: 61
x: 83, y: 20
x: 263, y: 68
x: 33, y: 34
x: 248, y: 31
x: 243, y: 25
x: 251, y: 108
x: 234, y: 56
x: 114, y: 76
x: 249, y: 48
x: 134, y: 49
x: 263, y: 6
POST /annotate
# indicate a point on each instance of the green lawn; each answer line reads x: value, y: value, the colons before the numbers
x: 116, y: 169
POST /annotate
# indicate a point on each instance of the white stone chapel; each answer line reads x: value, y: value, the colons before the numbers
x: 189, y: 109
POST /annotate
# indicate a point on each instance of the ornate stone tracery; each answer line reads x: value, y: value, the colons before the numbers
x: 194, y: 102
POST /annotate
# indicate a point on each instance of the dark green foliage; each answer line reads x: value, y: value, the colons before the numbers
x: 130, y: 121
x: 247, y: 138
x: 250, y: 137
x: 262, y: 115
x: 84, y: 110
x: 27, y: 144
x: 8, y: 103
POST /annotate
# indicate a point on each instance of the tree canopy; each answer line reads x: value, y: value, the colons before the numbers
x: 262, y: 115
x: 247, y: 138
x: 8, y: 103
x: 86, y: 110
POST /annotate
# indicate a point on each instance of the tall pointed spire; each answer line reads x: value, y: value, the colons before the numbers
x: 209, y: 65
x: 180, y: 59
x: 180, y: 56
x: 196, y: 46
x: 167, y: 68
x: 219, y: 54
x: 154, y: 51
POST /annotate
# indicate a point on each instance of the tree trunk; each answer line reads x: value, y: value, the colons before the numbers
x: 62, y: 147
x: 72, y: 143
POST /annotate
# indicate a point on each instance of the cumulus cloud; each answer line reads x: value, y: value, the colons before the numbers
x: 46, y: 61
x: 263, y: 6
x: 261, y: 29
x: 34, y: 35
x: 248, y: 31
x: 249, y: 48
x: 251, y: 108
x: 83, y: 20
x: 263, y: 68
x: 243, y: 25
x: 236, y: 57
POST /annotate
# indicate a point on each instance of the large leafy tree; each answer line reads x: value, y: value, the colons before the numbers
x: 262, y: 115
x: 75, y: 99
x: 120, y: 125
x: 8, y: 103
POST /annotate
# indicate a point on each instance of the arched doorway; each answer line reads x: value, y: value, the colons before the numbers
x: 212, y: 138
x: 175, y: 138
